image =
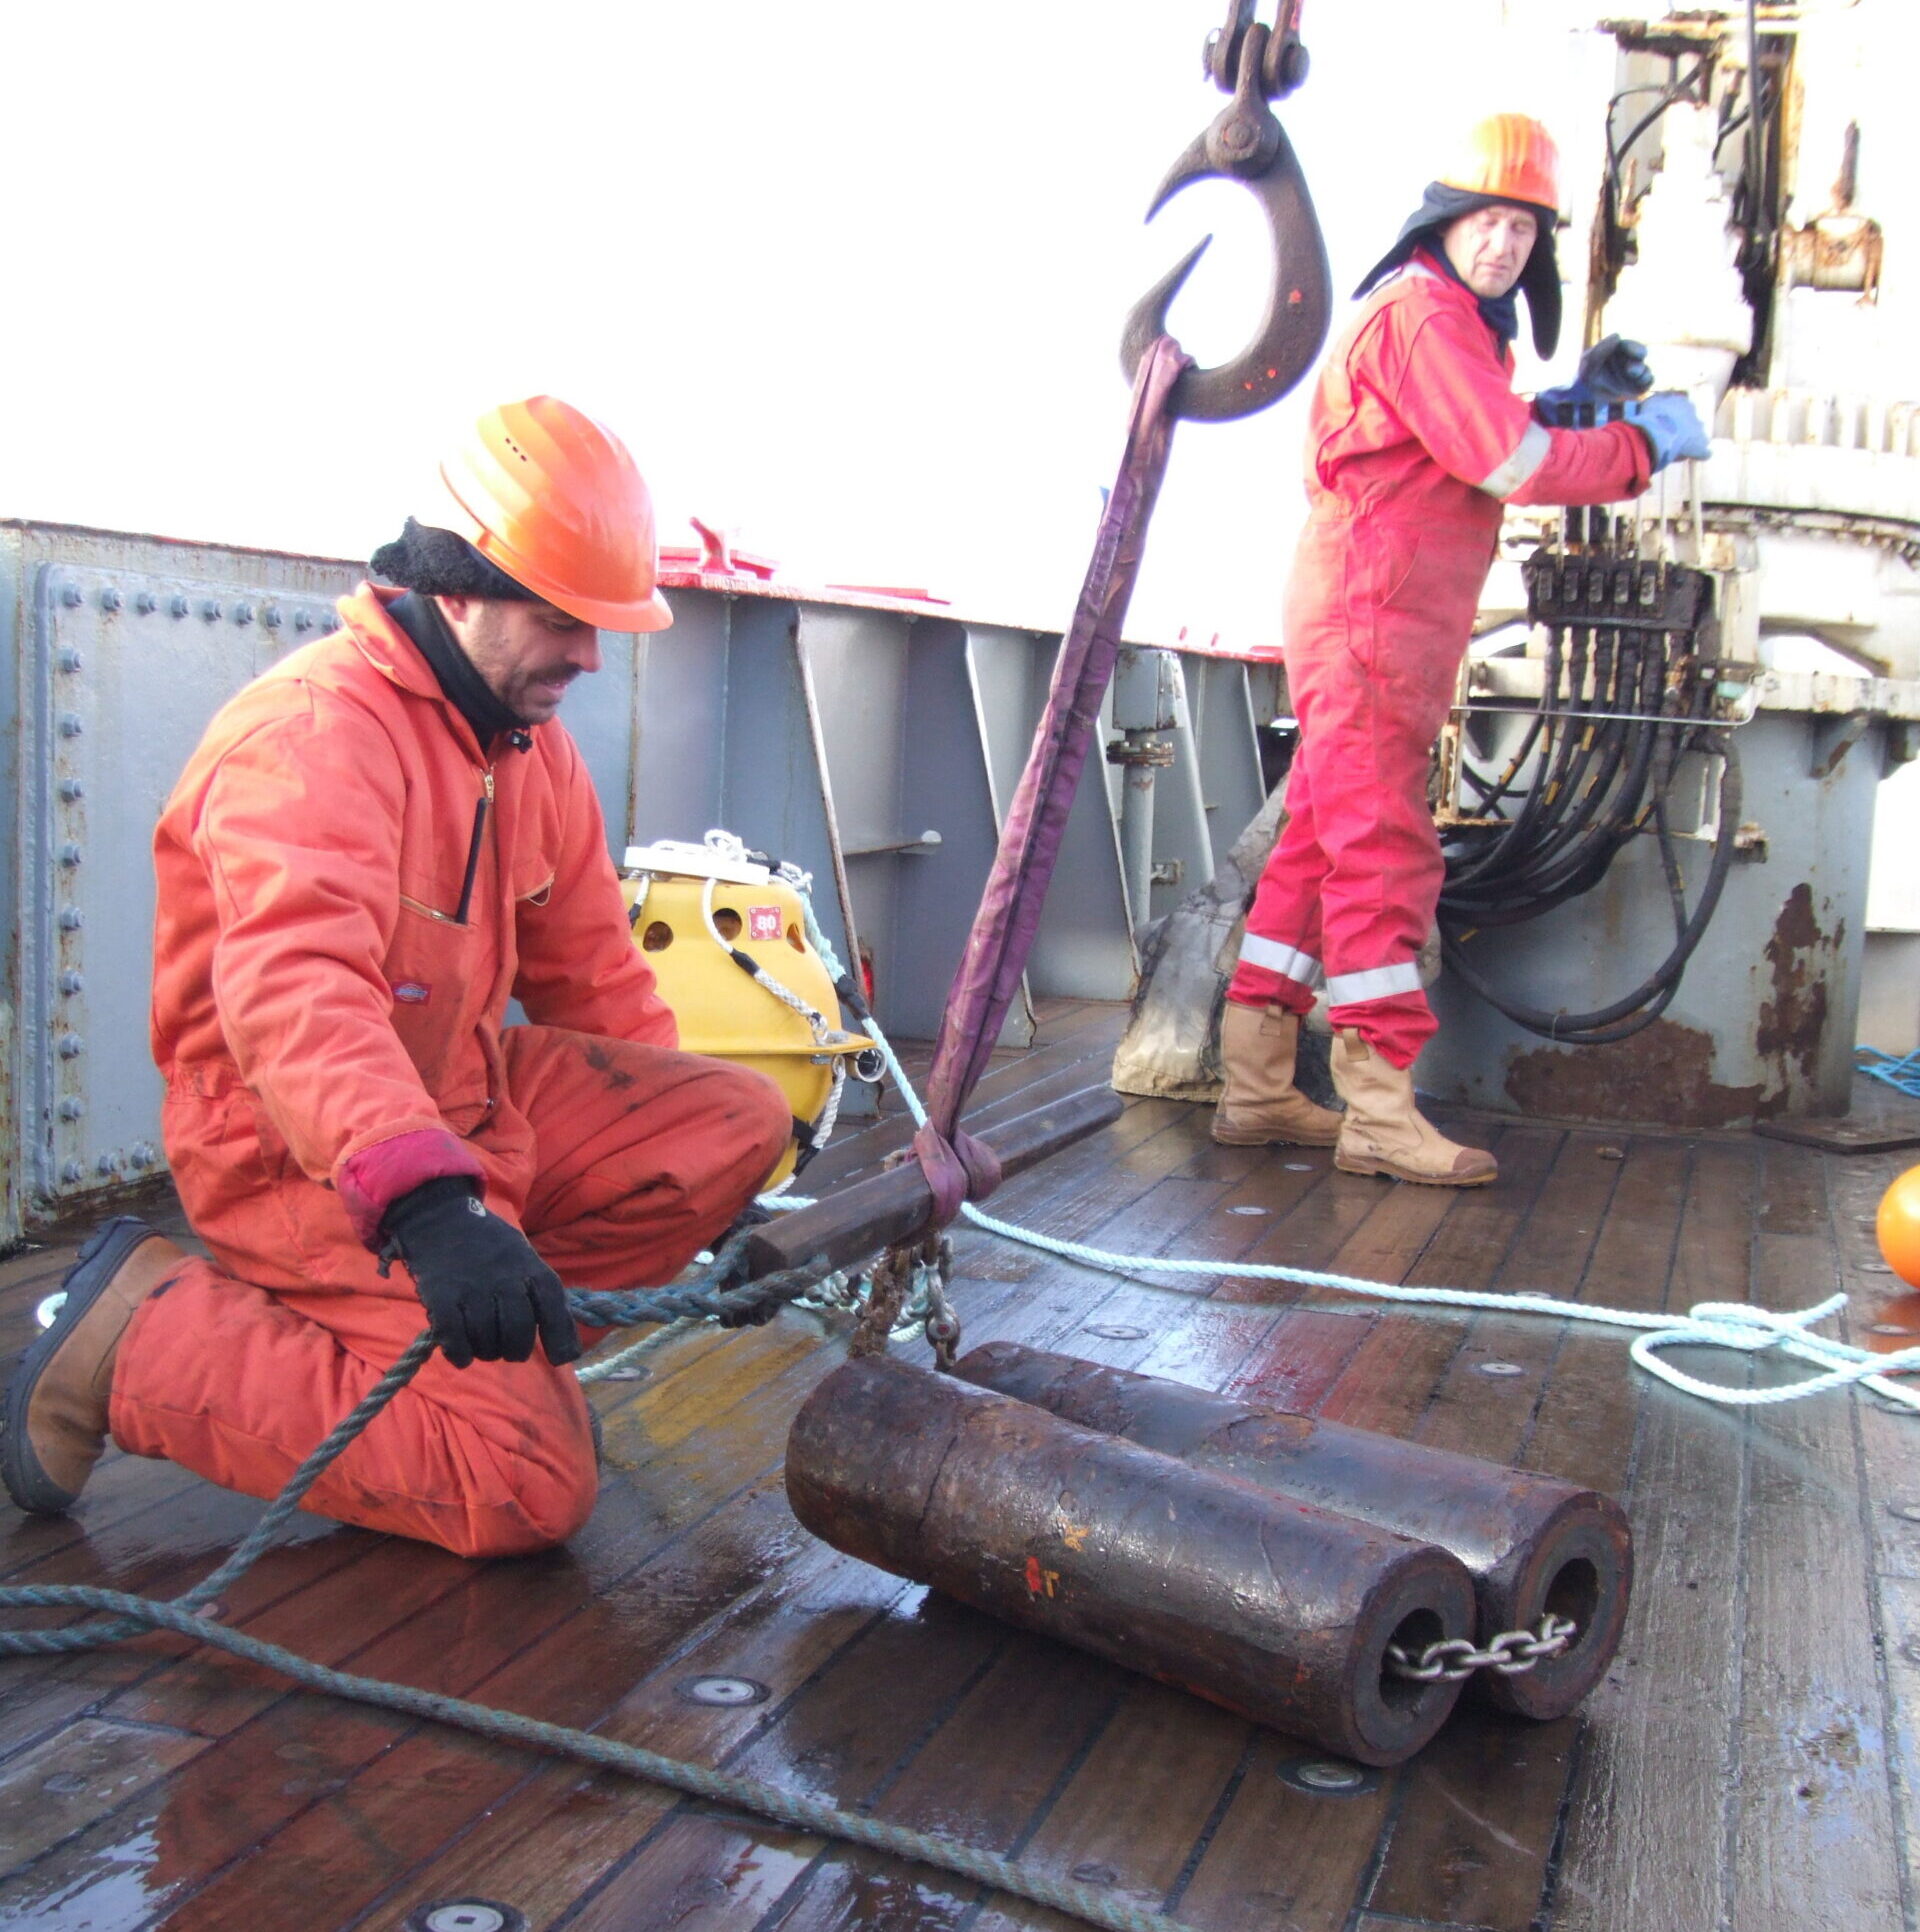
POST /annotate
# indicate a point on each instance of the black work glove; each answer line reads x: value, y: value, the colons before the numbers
x: 1615, y: 368
x: 484, y: 1288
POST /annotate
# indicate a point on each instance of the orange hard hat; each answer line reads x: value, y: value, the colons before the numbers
x: 553, y: 499
x: 1511, y: 158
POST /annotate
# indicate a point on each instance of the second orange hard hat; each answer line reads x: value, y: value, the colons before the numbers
x: 552, y: 498
x: 1512, y: 158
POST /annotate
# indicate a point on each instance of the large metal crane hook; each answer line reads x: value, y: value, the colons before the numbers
x: 1246, y: 143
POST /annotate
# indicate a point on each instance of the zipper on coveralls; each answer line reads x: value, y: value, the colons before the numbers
x: 473, y: 851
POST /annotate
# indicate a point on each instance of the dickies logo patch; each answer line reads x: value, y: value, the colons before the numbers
x: 763, y: 922
x: 409, y: 992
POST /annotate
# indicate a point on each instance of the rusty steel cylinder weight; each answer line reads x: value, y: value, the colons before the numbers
x: 1532, y: 1544
x: 1276, y: 1609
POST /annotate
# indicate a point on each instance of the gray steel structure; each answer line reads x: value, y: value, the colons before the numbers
x: 1763, y: 1024
x: 874, y: 743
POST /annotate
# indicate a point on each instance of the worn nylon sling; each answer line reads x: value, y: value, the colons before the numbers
x: 957, y: 1166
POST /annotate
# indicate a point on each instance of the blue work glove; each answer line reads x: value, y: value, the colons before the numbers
x: 485, y: 1290
x: 1672, y: 427
x: 1612, y: 371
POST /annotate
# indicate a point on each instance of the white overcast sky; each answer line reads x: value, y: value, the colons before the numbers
x: 848, y: 276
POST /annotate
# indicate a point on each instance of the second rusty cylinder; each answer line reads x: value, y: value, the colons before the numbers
x: 1533, y: 1544
x: 1273, y: 1608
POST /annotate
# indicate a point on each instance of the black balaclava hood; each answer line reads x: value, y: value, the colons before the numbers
x: 437, y: 563
x: 1539, y: 281
x: 430, y: 563
x: 469, y: 693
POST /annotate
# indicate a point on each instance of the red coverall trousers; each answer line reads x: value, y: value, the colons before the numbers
x: 1354, y: 881
x: 642, y: 1155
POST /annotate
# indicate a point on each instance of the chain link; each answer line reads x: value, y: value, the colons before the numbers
x: 1510, y: 1653
x: 942, y: 1321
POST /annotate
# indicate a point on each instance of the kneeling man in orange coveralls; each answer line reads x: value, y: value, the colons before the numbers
x: 377, y: 844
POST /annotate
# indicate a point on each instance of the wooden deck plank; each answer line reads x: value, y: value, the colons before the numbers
x: 1889, y: 1441
x: 403, y: 1807
x: 1889, y: 1491
x: 37, y: 1694
x: 92, y: 1768
x: 1900, y: 1610
x: 985, y: 1779
x: 1132, y: 1813
x: 841, y: 1739
x: 1646, y: 1815
x: 560, y: 1829
x: 1475, y: 1828
x: 1812, y: 1822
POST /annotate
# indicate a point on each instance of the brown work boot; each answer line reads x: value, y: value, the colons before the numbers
x: 1261, y: 1103
x: 1384, y: 1132
x: 56, y: 1411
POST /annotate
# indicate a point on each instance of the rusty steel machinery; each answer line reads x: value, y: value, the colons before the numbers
x: 1534, y: 1546
x: 1273, y: 1607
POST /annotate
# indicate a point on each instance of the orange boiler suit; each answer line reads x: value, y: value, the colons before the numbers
x: 1416, y: 441
x: 350, y: 890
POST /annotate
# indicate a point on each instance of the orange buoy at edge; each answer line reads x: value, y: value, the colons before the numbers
x: 1898, y: 1227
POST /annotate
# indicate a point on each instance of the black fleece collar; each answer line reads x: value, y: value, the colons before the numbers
x: 467, y: 691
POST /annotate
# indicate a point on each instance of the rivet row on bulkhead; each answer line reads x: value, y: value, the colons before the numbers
x: 146, y: 602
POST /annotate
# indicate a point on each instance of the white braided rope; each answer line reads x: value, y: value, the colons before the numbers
x: 1708, y: 1324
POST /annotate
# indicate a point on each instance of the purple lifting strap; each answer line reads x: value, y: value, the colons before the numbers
x: 957, y: 1166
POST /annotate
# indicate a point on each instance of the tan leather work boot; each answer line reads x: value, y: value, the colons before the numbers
x: 1384, y: 1132
x: 1261, y: 1103
x: 56, y: 1412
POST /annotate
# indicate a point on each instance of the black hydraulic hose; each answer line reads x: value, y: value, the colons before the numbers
x: 1639, y: 1009
x: 1566, y: 815
x: 1511, y: 836
x: 1574, y: 855
x: 1491, y: 792
x: 1616, y: 155
x: 1553, y: 872
x: 1592, y: 780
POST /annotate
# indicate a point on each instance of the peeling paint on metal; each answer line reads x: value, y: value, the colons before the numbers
x: 1801, y: 958
x: 1663, y: 1074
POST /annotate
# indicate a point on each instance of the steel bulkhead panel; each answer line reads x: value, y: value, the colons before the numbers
x: 126, y: 668
x: 1226, y: 737
x: 681, y: 679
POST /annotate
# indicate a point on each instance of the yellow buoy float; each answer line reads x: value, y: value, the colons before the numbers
x: 727, y: 940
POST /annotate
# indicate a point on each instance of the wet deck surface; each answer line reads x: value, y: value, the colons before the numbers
x: 1749, y: 1764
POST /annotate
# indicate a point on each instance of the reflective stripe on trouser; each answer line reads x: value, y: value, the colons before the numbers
x: 1378, y: 615
x: 642, y: 1156
x: 1274, y: 974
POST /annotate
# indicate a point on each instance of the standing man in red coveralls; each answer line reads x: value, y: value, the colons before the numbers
x: 376, y: 846
x: 1416, y: 442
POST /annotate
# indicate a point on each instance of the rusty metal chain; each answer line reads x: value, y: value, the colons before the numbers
x: 908, y: 1285
x: 1510, y: 1653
